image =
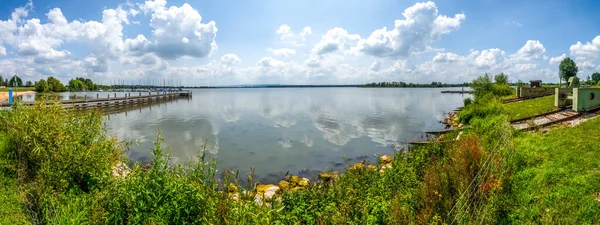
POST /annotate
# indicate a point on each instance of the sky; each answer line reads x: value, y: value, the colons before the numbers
x: 225, y: 42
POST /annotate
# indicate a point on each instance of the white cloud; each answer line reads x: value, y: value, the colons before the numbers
x: 306, y: 31
x: 312, y: 62
x: 284, y: 32
x: 532, y: 50
x: 334, y: 40
x: 36, y: 48
x: 285, y: 52
x: 287, y: 35
x: 95, y: 65
x: 230, y: 59
x: 375, y: 66
x: 521, y: 67
x: 270, y: 62
x: 591, y: 50
x: 489, y: 58
x: 558, y: 59
x: 445, y: 57
x: 178, y: 32
x: 422, y: 25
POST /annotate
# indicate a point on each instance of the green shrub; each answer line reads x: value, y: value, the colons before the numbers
x: 59, y: 148
x: 157, y: 193
x: 467, y: 101
x: 483, y: 86
x: 486, y: 106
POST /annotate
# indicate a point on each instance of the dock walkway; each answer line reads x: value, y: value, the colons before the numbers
x: 110, y: 101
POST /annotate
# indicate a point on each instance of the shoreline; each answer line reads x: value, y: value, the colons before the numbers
x: 4, y: 95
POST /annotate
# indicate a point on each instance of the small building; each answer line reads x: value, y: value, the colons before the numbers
x: 535, y: 83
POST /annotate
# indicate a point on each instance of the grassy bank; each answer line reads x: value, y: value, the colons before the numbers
x: 18, y: 89
x: 531, y: 107
x: 557, y: 176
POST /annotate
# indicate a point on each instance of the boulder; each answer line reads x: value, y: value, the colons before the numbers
x: 328, y: 176
x: 268, y: 190
x: 284, y: 185
x: 294, y: 180
x: 385, y: 166
x: 121, y: 170
x: 357, y: 166
x: 384, y: 159
x: 372, y: 167
x: 304, y: 182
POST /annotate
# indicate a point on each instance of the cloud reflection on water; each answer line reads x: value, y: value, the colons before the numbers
x: 251, y: 124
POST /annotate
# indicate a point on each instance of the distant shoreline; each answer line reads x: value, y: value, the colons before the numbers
x: 305, y: 86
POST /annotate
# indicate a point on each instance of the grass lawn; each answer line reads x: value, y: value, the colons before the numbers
x: 517, y: 110
x: 556, y: 177
x: 18, y: 89
x: 12, y: 209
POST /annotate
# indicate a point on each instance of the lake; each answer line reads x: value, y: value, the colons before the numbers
x: 279, y: 129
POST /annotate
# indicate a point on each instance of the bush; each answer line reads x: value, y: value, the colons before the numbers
x: 483, y: 85
x: 158, y: 193
x: 487, y: 106
x: 59, y: 148
x: 467, y: 101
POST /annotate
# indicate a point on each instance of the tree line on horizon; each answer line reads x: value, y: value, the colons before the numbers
x: 404, y: 84
x: 567, y: 69
x: 77, y: 84
x: 14, y: 81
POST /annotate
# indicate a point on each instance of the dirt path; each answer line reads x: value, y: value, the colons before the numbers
x: 4, y: 95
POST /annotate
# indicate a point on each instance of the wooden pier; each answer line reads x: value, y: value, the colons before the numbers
x: 112, y: 101
x: 457, y: 92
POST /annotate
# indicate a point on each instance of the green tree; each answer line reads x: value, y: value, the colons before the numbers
x: 28, y: 84
x: 76, y: 85
x: 567, y: 69
x: 596, y: 77
x: 15, y: 81
x: 501, y: 78
x: 588, y: 80
x: 2, y: 81
x: 41, y: 86
x: 55, y: 85
x: 481, y: 85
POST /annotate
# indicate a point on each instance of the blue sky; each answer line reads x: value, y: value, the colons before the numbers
x: 448, y: 41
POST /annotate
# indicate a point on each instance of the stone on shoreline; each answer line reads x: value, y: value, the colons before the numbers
x: 284, y: 185
x: 372, y: 167
x: 304, y: 182
x: 385, y: 166
x: 294, y: 180
x: 121, y: 170
x: 328, y: 176
x: 357, y: 166
x: 265, y: 191
x: 384, y: 159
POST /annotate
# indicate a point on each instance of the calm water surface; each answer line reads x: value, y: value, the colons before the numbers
x: 279, y: 129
